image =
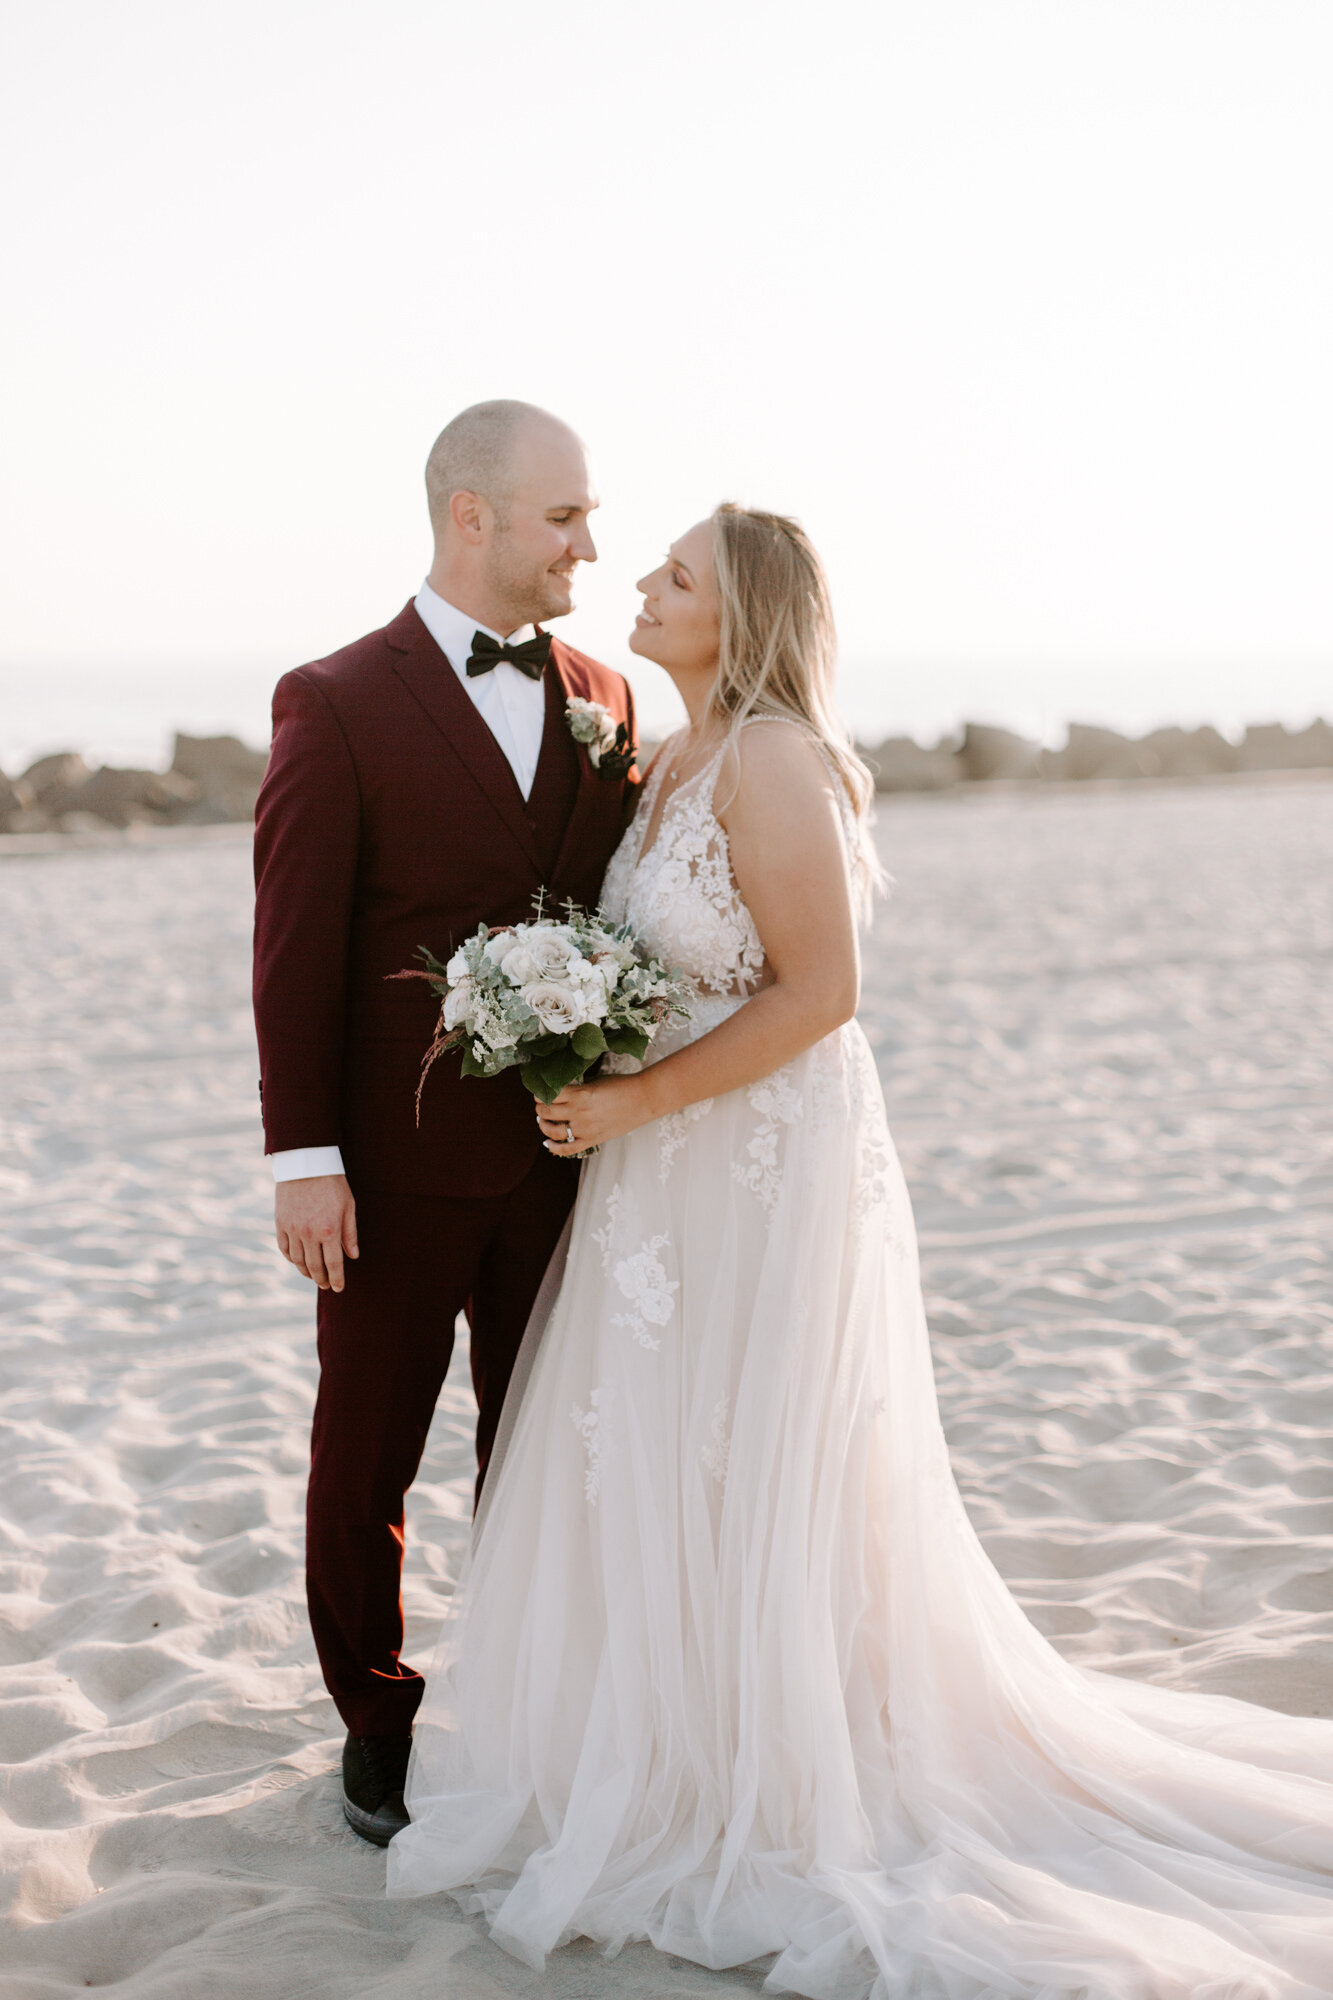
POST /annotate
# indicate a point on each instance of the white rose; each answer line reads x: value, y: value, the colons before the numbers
x: 457, y: 1002
x: 590, y: 987
x: 554, y: 953
x: 604, y: 740
x: 520, y: 967
x: 587, y: 720
x: 556, y: 1007
x: 499, y: 947
x: 457, y: 968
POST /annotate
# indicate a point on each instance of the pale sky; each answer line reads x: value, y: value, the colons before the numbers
x: 1024, y: 306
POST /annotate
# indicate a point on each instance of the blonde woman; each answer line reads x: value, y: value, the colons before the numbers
x: 728, y: 1668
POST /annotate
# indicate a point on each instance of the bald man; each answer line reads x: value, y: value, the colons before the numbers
x: 422, y: 781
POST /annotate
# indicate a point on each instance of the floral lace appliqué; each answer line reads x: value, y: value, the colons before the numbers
x: 632, y: 1259
x: 778, y: 1103
x: 643, y: 1280
x: 673, y: 1130
x: 716, y: 1454
x: 872, y: 1190
x: 681, y: 896
x: 603, y: 1237
x: 595, y: 1426
x: 870, y: 1195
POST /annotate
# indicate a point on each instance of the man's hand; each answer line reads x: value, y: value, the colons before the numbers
x: 315, y: 1223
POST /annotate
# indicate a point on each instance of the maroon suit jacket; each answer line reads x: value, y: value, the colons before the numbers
x: 389, y: 818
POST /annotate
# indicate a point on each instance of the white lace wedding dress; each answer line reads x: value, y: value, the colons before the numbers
x: 729, y: 1669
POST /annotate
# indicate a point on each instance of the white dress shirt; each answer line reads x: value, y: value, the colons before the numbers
x: 509, y: 702
x: 513, y: 707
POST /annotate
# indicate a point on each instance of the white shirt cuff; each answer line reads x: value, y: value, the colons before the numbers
x: 303, y: 1162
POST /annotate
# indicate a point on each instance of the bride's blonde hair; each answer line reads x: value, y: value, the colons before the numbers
x: 777, y: 652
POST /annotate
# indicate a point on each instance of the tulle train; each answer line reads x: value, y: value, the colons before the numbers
x: 729, y: 1669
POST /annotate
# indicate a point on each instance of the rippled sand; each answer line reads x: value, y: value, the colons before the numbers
x: 1105, y: 1025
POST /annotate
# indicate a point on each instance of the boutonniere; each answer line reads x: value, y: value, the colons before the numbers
x: 610, y: 751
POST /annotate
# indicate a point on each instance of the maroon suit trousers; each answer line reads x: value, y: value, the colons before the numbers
x: 384, y: 1347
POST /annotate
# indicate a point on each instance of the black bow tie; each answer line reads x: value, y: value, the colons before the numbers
x: 530, y: 658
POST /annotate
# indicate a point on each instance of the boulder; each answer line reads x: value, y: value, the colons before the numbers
x: 226, y: 772
x: 1164, y: 753
x: 1091, y: 752
x: 990, y: 753
x: 121, y: 798
x: 901, y: 765
x: 1185, y: 753
x: 11, y: 801
x: 1268, y: 746
x: 59, y: 772
x: 82, y: 822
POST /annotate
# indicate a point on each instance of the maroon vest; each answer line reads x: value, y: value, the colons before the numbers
x: 556, y: 783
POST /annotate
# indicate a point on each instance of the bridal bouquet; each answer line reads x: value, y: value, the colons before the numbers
x: 549, y: 999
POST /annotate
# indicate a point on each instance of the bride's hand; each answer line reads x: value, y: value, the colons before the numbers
x: 588, y: 1114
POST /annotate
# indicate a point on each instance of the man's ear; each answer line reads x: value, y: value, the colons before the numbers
x: 469, y: 514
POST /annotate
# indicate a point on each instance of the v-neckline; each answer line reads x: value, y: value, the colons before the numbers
x: 657, y: 819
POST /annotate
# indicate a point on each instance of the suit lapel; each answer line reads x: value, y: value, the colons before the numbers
x: 565, y: 680
x: 431, y: 680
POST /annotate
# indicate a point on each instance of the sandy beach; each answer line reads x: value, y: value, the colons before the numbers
x: 1104, y: 1021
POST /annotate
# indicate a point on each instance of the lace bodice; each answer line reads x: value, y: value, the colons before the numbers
x: 680, y: 897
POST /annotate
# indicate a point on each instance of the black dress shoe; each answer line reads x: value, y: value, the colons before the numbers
x: 374, y: 1773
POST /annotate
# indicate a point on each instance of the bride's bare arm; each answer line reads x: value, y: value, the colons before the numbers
x: 788, y: 856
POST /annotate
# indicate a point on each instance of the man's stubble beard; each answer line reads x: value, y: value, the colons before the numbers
x: 527, y: 593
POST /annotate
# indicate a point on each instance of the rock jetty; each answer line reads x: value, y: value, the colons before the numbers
x: 212, y: 779
x: 215, y: 779
x: 983, y: 754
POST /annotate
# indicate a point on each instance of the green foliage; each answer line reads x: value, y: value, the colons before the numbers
x: 500, y: 1029
x: 627, y: 1042
x: 435, y: 973
x: 546, y: 1079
